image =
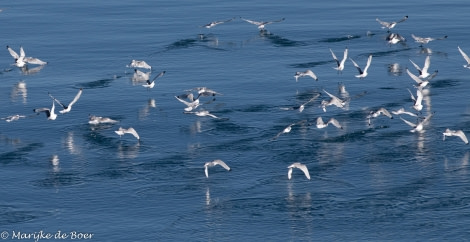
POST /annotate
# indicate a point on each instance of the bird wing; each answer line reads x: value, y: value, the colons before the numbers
x: 408, y: 122
x: 289, y: 173
x: 305, y: 170
x: 206, y: 170
x: 22, y: 54
x: 427, y: 63
x: 75, y: 99
x: 357, y: 66
x: 403, y: 19
x: 133, y: 132
x: 416, y: 38
x: 335, y: 123
x: 465, y: 56
x: 413, y: 76
x: 159, y: 75
x: 412, y: 96
x: 35, y: 61
x: 419, y: 96
x: 345, y: 56
x: 462, y: 136
x: 221, y: 163
x: 334, y: 57
x: 385, y: 112
x: 252, y: 22
x: 417, y: 67
x: 369, y: 60
x: 13, y: 53
x: 383, y: 23
x: 320, y: 121
x: 58, y: 102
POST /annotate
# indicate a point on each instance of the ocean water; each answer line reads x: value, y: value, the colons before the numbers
x: 377, y: 182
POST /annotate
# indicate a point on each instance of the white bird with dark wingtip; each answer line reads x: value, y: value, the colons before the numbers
x: 340, y: 64
x: 139, y: 64
x: 214, y: 23
x: 381, y: 111
x: 305, y: 73
x: 425, y: 40
x: 390, y: 25
x: 417, y: 105
x: 67, y: 108
x: 320, y: 124
x: 121, y: 131
x: 458, y: 133
x: 465, y: 56
x: 362, y: 72
x: 261, y: 25
x: 300, y: 166
x: 287, y: 129
x: 203, y: 113
x: 151, y: 84
x: 50, y: 114
x: 214, y: 163
x: 423, y: 72
x: 419, y: 126
x: 192, y: 104
x: 21, y: 60
x: 394, y: 38
x: 333, y: 101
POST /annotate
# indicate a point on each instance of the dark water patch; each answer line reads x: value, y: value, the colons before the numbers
x: 59, y: 179
x: 339, y: 39
x: 312, y: 64
x: 12, y: 215
x: 279, y: 41
x: 256, y: 108
x: 19, y: 154
x: 444, y: 83
x: 101, y: 83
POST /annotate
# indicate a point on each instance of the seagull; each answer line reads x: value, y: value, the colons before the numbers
x: 204, y: 91
x: 302, y: 106
x: 214, y: 23
x: 426, y: 40
x: 67, y: 108
x: 394, y: 38
x: 214, y: 163
x: 121, y: 131
x: 381, y: 111
x: 421, y: 83
x: 202, y: 114
x: 305, y: 73
x: 139, y: 64
x: 333, y: 121
x: 21, y: 60
x: 418, y: 127
x: 362, y: 73
x: 333, y: 101
x: 340, y: 64
x: 151, y: 84
x: 287, y: 129
x: 402, y: 111
x: 423, y: 73
x: 458, y: 133
x: 49, y: 112
x: 261, y: 25
x: 301, y: 167
x: 100, y: 120
x: 390, y: 25
x: 192, y: 104
x: 13, y: 118
x: 417, y: 105
x: 465, y: 56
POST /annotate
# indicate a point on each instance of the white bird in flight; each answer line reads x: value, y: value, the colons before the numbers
x: 394, y: 38
x: 390, y: 25
x: 425, y: 40
x: 380, y: 111
x: 423, y: 72
x: 202, y: 113
x: 340, y: 64
x: 333, y: 101
x: 214, y: 23
x: 21, y: 60
x: 419, y: 126
x: 121, y: 131
x: 465, y: 56
x: 362, y: 72
x: 192, y: 104
x: 50, y: 114
x: 151, y: 84
x: 299, y: 166
x: 261, y: 25
x: 402, y: 111
x: 417, y: 105
x: 320, y: 124
x: 458, y: 133
x: 305, y: 73
x: 100, y: 120
x: 287, y: 129
x: 214, y: 163
x: 67, y: 108
x: 13, y: 118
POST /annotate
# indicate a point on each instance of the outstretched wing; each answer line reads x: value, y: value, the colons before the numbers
x: 13, y: 53
x: 75, y: 99
x: 221, y: 163
x: 58, y: 102
x: 357, y: 66
x: 465, y: 56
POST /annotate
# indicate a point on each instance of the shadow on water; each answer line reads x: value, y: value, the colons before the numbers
x: 339, y: 39
x: 19, y: 154
x: 13, y: 215
x: 209, y: 41
x: 279, y: 41
x: 101, y: 83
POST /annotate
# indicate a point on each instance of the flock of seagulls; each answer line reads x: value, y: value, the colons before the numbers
x: 192, y: 98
